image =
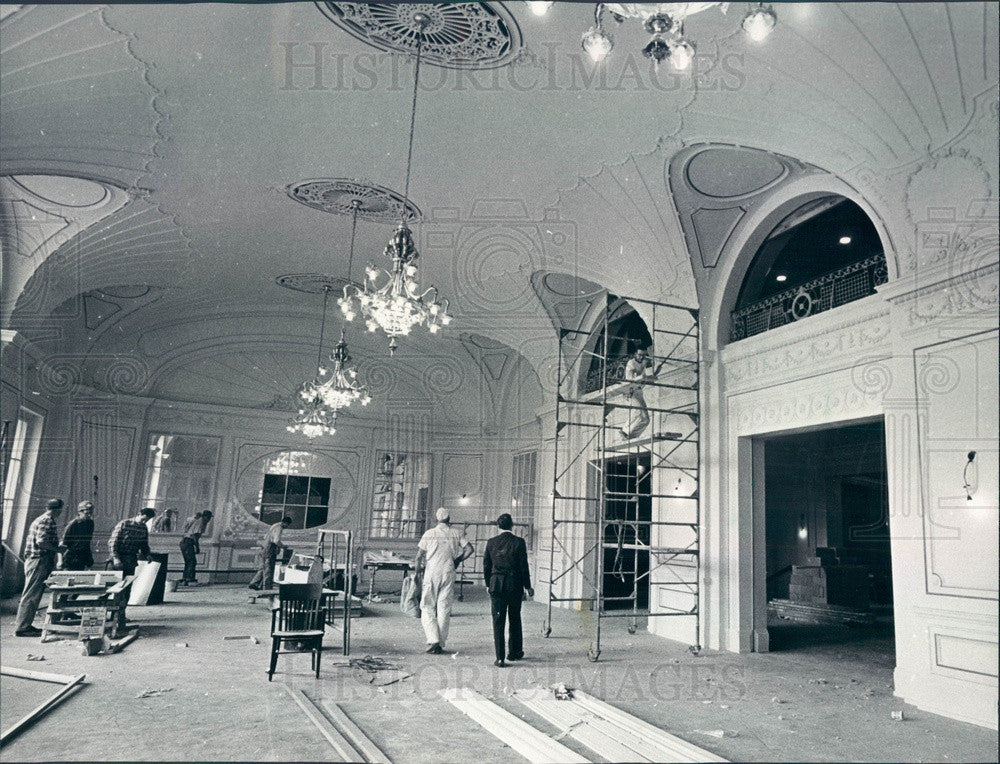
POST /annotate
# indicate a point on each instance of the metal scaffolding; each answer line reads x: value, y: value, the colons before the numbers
x: 625, y: 506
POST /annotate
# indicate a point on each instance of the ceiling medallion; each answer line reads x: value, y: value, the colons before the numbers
x: 455, y: 36
x: 345, y: 196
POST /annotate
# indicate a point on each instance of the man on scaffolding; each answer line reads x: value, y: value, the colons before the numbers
x: 638, y: 371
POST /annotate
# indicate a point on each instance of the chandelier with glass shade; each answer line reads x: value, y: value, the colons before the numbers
x: 665, y: 22
x: 391, y: 300
x: 338, y: 386
x: 315, y: 417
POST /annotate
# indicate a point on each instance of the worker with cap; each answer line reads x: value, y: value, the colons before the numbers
x: 40, y: 551
x: 77, y: 538
x: 440, y: 551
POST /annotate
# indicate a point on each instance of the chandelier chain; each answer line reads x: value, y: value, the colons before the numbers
x: 322, y: 326
x: 354, y: 229
x: 413, y: 119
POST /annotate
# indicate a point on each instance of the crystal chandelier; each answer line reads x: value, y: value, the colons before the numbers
x: 338, y: 387
x: 314, y: 419
x: 391, y: 300
x: 315, y: 416
x: 665, y: 22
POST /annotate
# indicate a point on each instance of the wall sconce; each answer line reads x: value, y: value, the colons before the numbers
x: 464, y: 499
x: 803, y: 531
x: 967, y: 485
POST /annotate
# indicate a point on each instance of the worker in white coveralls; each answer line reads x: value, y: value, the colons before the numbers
x: 637, y: 373
x: 441, y: 550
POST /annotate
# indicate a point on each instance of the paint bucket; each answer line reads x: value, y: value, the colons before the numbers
x: 172, y: 585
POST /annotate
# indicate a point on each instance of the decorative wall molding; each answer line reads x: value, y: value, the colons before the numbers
x: 714, y: 186
x: 822, y: 343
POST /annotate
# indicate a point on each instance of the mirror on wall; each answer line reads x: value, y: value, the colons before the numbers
x: 180, y: 478
x: 402, y: 495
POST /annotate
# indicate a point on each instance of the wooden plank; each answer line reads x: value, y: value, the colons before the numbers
x: 116, y: 647
x: 532, y: 744
x: 674, y: 748
x: 25, y: 722
x: 573, y: 720
x: 344, y: 750
x: 372, y: 753
x: 40, y: 676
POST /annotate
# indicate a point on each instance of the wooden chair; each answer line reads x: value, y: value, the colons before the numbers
x: 298, y: 617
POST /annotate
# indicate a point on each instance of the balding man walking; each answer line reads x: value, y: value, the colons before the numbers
x: 441, y: 549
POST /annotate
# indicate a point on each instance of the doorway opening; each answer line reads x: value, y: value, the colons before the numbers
x: 827, y: 542
x: 629, y: 510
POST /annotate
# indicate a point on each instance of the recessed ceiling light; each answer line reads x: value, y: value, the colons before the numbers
x: 845, y: 239
x: 781, y: 277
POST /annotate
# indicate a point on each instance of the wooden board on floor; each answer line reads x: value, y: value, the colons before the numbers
x: 532, y: 744
x: 597, y: 734
x: 371, y: 752
x: 69, y: 685
x: 674, y: 748
x: 340, y: 744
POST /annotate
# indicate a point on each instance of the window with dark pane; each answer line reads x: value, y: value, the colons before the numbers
x: 303, y: 498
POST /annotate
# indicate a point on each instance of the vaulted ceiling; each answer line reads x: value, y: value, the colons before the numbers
x: 190, y: 122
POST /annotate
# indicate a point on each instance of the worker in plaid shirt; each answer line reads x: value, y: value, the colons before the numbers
x: 39, y: 561
x: 129, y: 541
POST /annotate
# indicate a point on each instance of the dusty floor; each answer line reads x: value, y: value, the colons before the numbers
x: 827, y: 697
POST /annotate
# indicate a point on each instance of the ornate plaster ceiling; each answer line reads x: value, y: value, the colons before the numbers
x: 202, y: 116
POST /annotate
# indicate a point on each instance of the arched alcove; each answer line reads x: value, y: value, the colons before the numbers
x: 616, y: 335
x: 824, y: 254
x: 736, y: 258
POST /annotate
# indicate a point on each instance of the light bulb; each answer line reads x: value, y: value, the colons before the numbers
x: 597, y: 44
x: 538, y: 7
x: 433, y: 328
x: 681, y: 54
x: 759, y: 22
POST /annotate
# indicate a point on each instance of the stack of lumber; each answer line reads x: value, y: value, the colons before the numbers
x: 606, y: 732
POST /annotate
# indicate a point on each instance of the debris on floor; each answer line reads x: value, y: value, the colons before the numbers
x: 373, y: 665
x: 32, y: 657
x: 712, y: 733
x: 181, y: 644
x: 393, y: 681
x: 897, y: 716
x: 563, y: 692
x: 153, y: 693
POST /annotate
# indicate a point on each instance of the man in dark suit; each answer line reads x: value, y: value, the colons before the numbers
x: 505, y: 566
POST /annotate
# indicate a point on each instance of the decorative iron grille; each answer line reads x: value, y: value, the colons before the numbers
x: 829, y: 291
x: 595, y: 377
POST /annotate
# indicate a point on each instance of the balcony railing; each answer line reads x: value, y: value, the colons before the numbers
x: 829, y: 291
